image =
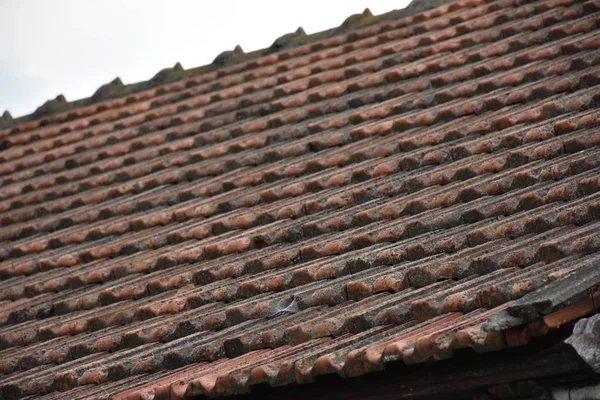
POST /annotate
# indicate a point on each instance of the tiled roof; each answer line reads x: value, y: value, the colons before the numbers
x: 408, y: 188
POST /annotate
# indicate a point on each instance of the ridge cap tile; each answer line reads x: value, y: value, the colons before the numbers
x: 116, y: 89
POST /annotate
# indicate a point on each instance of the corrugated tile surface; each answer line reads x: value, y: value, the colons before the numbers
x: 327, y: 208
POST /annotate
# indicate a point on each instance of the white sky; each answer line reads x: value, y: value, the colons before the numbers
x: 49, y: 47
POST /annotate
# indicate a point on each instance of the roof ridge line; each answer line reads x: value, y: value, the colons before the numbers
x: 116, y: 88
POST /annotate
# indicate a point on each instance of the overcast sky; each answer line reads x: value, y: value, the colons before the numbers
x: 49, y: 47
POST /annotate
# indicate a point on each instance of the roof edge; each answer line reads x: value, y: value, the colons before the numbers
x: 116, y: 88
x: 560, y: 293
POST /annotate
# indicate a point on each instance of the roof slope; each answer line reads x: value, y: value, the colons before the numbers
x: 392, y: 193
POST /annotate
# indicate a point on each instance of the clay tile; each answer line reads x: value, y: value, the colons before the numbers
x: 287, y: 40
x: 229, y: 57
x: 108, y: 90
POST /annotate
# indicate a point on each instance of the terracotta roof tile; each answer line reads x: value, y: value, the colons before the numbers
x: 332, y: 204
